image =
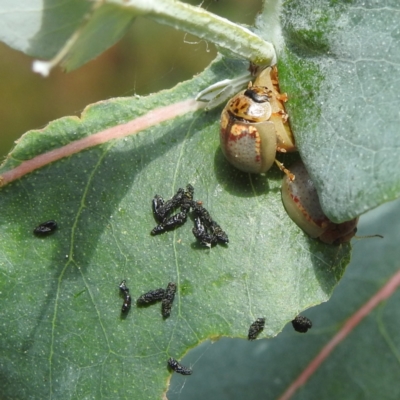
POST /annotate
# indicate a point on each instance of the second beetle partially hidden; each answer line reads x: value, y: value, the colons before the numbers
x: 254, y: 126
x: 301, y: 202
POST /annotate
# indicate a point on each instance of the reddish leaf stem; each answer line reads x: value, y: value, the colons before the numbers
x: 152, y: 118
x: 347, y: 328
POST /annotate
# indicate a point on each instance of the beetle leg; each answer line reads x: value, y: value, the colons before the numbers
x: 282, y: 114
x: 274, y: 74
x: 282, y: 97
x: 285, y: 170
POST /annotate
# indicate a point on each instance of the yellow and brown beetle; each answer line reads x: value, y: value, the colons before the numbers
x: 301, y: 202
x: 254, y: 126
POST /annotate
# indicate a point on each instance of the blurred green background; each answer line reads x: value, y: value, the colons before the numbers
x: 149, y: 58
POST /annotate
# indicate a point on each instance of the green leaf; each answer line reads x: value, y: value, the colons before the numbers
x: 41, y: 29
x: 89, y: 28
x: 61, y: 306
x: 85, y: 32
x: 340, y: 66
x: 105, y: 27
x: 364, y: 365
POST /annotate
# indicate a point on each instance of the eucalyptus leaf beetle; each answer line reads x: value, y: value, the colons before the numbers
x: 301, y: 202
x: 254, y: 126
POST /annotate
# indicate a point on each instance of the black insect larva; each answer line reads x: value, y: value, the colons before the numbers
x: 168, y: 299
x: 256, y: 328
x: 127, y: 303
x: 206, y: 229
x: 200, y: 233
x: 170, y: 223
x: 162, y: 210
x: 151, y: 297
x: 301, y: 324
x: 127, y: 297
x: 180, y: 369
x: 45, y: 228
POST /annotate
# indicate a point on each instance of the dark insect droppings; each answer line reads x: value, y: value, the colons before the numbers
x: 301, y: 324
x: 256, y: 328
x: 180, y: 369
x: 45, y: 228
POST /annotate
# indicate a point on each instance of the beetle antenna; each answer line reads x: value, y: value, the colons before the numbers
x: 368, y: 236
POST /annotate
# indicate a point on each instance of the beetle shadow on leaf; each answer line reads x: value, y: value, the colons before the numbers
x: 328, y: 257
x: 243, y: 184
x: 238, y: 183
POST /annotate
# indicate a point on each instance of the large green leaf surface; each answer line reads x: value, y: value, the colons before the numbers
x: 61, y: 306
x: 44, y: 27
x: 62, y: 333
x: 40, y: 28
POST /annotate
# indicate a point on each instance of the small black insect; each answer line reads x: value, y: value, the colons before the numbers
x: 170, y: 223
x: 151, y: 297
x: 200, y: 233
x: 168, y: 299
x: 221, y: 235
x: 127, y: 297
x: 162, y: 210
x: 301, y: 324
x: 45, y: 228
x: 256, y: 328
x: 206, y: 230
x: 127, y: 303
x: 180, y: 369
